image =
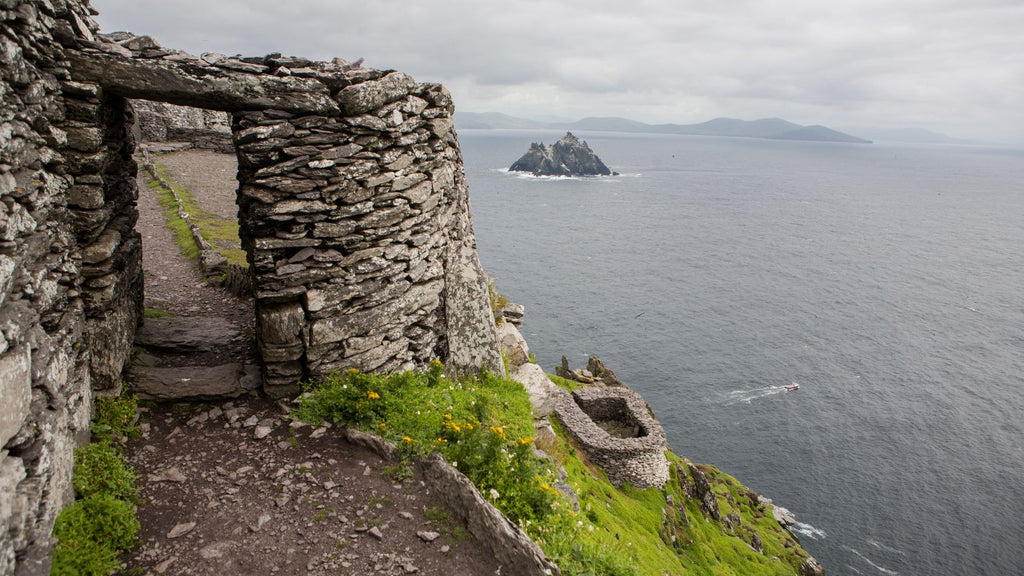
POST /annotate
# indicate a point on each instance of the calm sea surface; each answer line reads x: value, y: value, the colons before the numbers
x: 888, y: 281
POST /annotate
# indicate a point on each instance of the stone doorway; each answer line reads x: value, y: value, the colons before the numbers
x: 353, y: 206
x: 197, y: 340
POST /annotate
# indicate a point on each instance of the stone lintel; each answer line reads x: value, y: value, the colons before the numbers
x: 190, y: 84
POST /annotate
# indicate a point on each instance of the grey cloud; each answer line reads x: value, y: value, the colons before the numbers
x: 946, y: 64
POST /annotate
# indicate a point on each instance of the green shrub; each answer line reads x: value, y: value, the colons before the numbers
x: 92, y: 530
x: 90, y: 534
x: 100, y: 468
x: 115, y: 417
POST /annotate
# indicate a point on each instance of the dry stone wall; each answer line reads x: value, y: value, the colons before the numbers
x: 196, y: 127
x: 639, y: 457
x: 58, y: 234
x: 356, y: 227
x: 353, y: 206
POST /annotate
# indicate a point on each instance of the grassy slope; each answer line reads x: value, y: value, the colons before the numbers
x: 615, y: 532
x: 640, y: 524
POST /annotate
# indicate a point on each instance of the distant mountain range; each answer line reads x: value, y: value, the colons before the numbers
x: 771, y: 128
x: 913, y: 135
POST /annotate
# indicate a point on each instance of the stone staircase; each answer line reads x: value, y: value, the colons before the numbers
x: 182, y: 358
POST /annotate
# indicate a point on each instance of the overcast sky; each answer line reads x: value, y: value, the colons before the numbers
x: 954, y: 66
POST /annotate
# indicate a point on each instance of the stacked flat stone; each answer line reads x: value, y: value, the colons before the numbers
x: 60, y: 237
x: 347, y: 220
x: 640, y: 461
x: 194, y: 127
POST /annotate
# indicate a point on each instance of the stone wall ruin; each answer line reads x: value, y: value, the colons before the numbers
x: 635, y: 453
x: 352, y: 204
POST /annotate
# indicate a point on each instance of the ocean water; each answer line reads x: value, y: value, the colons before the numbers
x: 888, y: 281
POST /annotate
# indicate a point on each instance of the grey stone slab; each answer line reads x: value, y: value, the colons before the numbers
x: 188, y: 382
x: 185, y: 333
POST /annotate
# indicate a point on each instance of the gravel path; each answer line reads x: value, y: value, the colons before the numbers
x: 173, y: 283
x: 209, y: 176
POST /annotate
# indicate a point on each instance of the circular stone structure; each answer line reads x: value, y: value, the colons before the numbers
x: 634, y: 452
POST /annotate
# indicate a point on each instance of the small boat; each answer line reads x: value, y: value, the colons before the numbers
x: 793, y: 386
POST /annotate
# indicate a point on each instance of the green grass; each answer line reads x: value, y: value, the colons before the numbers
x: 634, y: 528
x: 484, y: 426
x: 102, y: 521
x: 182, y: 233
x: 565, y: 383
x: 154, y: 313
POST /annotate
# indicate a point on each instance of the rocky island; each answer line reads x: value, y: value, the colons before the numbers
x: 570, y: 156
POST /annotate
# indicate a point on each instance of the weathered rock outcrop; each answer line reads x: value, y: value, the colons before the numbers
x: 569, y: 156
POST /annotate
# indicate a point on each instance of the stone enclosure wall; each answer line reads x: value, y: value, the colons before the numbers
x: 183, y: 125
x: 636, y: 456
x: 353, y: 207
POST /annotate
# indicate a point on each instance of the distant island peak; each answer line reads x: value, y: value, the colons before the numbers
x: 570, y: 156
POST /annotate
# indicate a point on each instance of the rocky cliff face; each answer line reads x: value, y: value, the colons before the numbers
x: 570, y: 156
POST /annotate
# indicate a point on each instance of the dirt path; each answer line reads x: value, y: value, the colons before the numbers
x: 211, y: 177
x: 233, y: 489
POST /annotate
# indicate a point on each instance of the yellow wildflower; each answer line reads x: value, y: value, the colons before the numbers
x: 440, y: 441
x: 408, y: 440
x: 544, y: 487
x: 447, y: 416
x: 498, y: 431
x: 435, y: 362
x: 525, y: 441
x: 453, y: 426
x: 372, y: 395
x: 382, y: 426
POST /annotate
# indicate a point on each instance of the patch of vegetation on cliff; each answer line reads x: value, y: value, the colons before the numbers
x: 484, y: 426
x: 665, y: 531
x: 102, y: 522
x: 497, y: 300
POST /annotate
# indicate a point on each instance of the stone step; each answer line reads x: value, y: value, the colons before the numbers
x: 186, y: 333
x: 193, y: 382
